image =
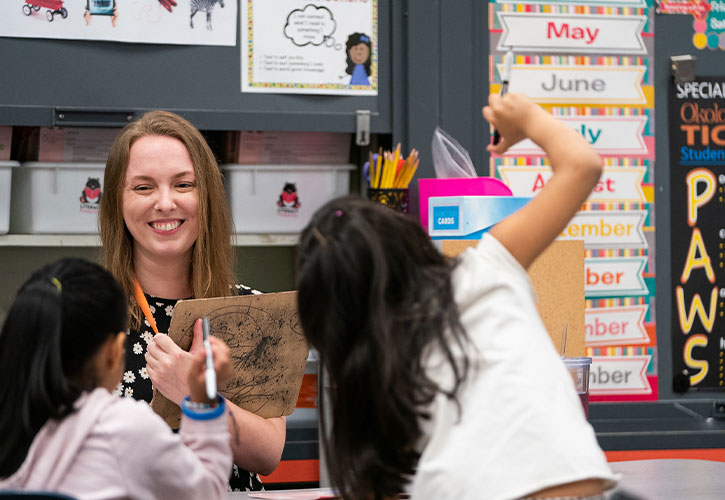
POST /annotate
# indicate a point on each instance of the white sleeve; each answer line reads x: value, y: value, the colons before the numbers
x: 484, y: 268
x: 157, y: 463
x: 498, y: 257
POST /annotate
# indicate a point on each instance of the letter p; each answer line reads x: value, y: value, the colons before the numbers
x: 696, y: 200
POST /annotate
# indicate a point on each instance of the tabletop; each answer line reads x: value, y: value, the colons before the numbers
x: 672, y: 479
x: 663, y: 479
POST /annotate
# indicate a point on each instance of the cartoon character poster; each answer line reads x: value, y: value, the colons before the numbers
x: 310, y: 46
x: 183, y: 22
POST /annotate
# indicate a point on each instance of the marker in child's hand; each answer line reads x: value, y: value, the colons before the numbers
x: 505, y: 79
x: 210, y: 374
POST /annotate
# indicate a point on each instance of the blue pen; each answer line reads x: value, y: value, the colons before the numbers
x: 210, y: 373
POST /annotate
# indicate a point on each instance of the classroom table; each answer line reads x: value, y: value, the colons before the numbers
x: 302, y: 494
x: 665, y: 479
x: 672, y: 479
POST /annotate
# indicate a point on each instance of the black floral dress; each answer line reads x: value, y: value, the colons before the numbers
x: 137, y: 384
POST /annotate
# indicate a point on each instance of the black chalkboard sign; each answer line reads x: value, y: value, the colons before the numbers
x: 697, y: 223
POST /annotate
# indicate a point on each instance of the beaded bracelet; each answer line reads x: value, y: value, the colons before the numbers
x: 203, y: 411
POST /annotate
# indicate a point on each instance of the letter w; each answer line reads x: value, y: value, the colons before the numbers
x: 687, y: 319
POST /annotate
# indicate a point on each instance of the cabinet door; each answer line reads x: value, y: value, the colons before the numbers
x: 49, y: 82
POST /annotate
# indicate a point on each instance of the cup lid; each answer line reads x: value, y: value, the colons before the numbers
x: 583, y: 361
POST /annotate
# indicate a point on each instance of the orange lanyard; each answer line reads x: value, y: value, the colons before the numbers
x: 144, y: 304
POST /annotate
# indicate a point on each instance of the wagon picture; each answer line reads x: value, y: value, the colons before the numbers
x: 54, y: 7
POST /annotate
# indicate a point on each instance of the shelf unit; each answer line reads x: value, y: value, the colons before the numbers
x: 92, y: 240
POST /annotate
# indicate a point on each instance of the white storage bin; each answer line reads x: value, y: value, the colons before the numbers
x: 56, y: 198
x: 6, y: 168
x: 260, y: 204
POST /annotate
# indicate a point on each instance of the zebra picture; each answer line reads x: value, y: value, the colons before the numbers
x: 204, y: 6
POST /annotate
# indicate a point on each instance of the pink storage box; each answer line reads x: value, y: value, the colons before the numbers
x: 458, y: 186
x: 6, y: 134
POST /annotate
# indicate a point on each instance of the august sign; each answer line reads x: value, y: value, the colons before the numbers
x: 697, y: 177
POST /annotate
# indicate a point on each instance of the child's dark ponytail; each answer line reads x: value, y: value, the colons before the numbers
x: 373, y: 295
x: 60, y: 318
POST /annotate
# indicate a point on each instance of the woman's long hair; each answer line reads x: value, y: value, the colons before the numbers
x: 212, y: 263
x: 374, y: 294
x: 59, y: 320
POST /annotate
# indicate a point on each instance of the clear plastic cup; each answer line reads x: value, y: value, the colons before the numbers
x: 579, y: 370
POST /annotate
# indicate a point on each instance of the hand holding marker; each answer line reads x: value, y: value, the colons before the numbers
x: 387, y: 170
x: 210, y: 374
x: 505, y: 79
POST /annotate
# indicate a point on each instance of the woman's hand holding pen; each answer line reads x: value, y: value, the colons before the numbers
x: 510, y: 115
x: 170, y: 367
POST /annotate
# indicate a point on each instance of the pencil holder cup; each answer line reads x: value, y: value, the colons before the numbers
x: 397, y: 199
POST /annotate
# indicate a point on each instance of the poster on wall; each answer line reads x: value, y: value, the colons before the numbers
x: 187, y: 22
x: 697, y: 217
x: 590, y: 63
x: 309, y: 46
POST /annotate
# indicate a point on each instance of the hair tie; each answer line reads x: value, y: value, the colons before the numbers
x: 364, y: 38
x: 56, y: 282
x: 338, y: 213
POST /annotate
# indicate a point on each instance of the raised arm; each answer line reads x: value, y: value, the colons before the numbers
x: 575, y: 164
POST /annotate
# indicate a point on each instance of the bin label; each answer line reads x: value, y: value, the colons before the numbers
x: 446, y: 218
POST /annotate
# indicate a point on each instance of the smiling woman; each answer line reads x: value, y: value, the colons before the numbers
x: 159, y: 205
x: 166, y: 233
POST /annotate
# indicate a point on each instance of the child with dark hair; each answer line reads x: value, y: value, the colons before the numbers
x: 443, y: 378
x: 61, y: 354
x: 359, y: 51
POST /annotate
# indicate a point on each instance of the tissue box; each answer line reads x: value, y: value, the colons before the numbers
x: 468, y: 217
x: 259, y: 148
x: 457, y: 187
x: 75, y: 144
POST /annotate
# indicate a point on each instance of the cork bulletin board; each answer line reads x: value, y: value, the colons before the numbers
x: 558, y: 278
x: 268, y: 350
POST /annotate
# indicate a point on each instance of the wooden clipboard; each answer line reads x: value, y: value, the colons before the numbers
x: 268, y: 350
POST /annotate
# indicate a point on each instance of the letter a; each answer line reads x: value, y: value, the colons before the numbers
x: 538, y: 183
x: 697, y: 257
